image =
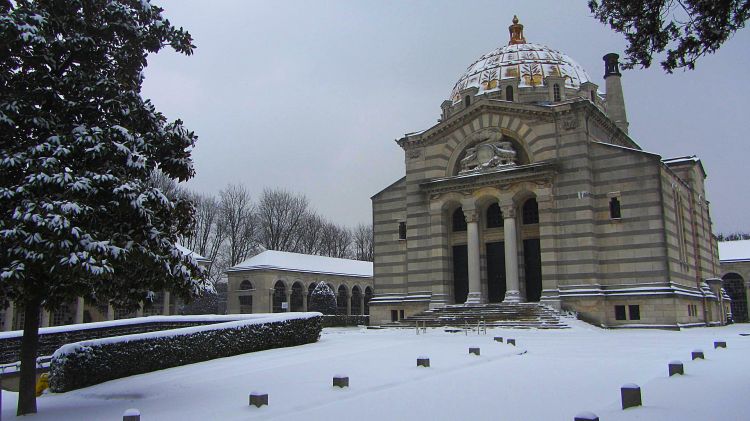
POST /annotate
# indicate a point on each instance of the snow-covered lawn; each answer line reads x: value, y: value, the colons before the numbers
x: 550, y: 375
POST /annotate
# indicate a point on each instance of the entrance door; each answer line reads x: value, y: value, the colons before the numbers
x: 460, y: 274
x: 496, y: 272
x: 532, y: 259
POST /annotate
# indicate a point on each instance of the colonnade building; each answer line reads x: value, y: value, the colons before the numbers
x: 279, y: 281
x: 529, y: 189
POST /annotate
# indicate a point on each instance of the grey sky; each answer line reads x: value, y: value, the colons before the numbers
x: 309, y: 95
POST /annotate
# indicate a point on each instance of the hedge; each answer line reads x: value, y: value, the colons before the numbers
x: 87, y: 363
x: 344, y: 320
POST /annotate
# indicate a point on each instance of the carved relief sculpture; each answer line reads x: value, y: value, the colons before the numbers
x: 488, y: 155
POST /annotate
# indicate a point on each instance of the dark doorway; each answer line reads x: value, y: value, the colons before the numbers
x: 279, y: 297
x: 532, y: 263
x: 496, y: 272
x: 460, y: 274
x: 735, y: 287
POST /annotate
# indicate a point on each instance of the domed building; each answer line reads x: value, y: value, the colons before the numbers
x: 529, y: 190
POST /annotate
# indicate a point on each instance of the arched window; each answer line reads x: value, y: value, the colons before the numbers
x: 310, y: 289
x: 246, y: 285
x: 279, y: 297
x: 459, y: 220
x: 296, y: 298
x: 341, y: 300
x: 467, y: 101
x: 494, y: 216
x: 530, y: 212
x: 356, y: 300
x: 368, y: 297
x: 509, y: 93
x: 246, y: 304
x: 556, y: 91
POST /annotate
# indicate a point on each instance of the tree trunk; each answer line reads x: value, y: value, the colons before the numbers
x: 29, y: 347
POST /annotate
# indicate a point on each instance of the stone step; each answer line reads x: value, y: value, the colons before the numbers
x: 522, y: 316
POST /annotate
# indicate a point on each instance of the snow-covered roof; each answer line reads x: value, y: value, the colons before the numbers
x: 734, y: 251
x: 296, y: 262
x: 188, y: 252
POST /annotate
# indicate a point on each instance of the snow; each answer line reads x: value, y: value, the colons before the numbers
x: 296, y: 262
x: 550, y: 375
x: 187, y: 252
x: 734, y: 251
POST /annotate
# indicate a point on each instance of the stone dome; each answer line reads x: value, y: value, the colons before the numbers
x: 528, y: 62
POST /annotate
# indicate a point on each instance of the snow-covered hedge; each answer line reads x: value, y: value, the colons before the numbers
x: 344, y: 320
x: 87, y: 363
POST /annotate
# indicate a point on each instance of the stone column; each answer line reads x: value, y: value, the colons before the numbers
x: 165, y: 309
x: 44, y: 322
x: 512, y: 294
x: 9, y: 313
x: 348, y: 304
x: 270, y: 300
x: 139, y: 312
x: 304, y: 301
x: 472, y: 239
x: 362, y: 304
x: 288, y: 301
x: 80, y: 304
x: 110, y: 312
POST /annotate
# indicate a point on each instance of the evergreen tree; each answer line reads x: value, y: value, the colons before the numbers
x: 687, y: 29
x: 322, y: 299
x: 78, y: 215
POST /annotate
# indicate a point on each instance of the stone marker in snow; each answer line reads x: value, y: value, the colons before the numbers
x: 631, y: 395
x: 423, y: 361
x: 258, y: 399
x: 474, y: 351
x: 131, y: 414
x: 698, y: 354
x: 586, y: 416
x: 720, y: 344
x: 676, y: 367
x: 340, y: 381
x: 499, y: 339
x: 511, y: 342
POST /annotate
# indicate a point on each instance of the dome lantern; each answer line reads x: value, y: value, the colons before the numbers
x: 516, y: 32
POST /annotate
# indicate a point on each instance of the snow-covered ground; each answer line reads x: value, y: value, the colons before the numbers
x: 550, y: 375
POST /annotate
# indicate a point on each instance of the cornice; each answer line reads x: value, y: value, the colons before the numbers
x: 542, y: 172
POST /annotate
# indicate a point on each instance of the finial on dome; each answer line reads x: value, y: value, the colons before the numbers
x: 516, y: 32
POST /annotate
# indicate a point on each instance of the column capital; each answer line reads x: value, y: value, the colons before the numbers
x: 471, y: 215
x: 508, y: 211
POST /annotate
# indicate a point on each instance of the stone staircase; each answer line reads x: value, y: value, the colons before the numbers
x: 505, y: 315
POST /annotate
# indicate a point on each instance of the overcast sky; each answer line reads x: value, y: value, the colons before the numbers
x: 310, y: 95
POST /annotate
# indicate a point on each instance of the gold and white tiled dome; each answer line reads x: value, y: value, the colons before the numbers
x: 529, y: 62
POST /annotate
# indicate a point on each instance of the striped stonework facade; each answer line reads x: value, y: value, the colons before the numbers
x: 582, y: 219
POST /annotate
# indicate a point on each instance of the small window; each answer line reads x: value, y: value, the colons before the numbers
x: 246, y: 300
x: 614, y: 208
x: 494, y: 216
x: 459, y: 220
x: 509, y: 93
x: 593, y: 96
x: 619, y: 312
x: 401, y: 314
x: 402, y: 230
x: 556, y: 89
x: 467, y: 101
x: 635, y: 312
x: 394, y: 315
x: 246, y: 285
x: 530, y: 212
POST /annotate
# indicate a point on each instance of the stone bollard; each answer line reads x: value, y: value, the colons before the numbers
x: 511, y: 342
x: 340, y: 381
x: 676, y: 367
x: 131, y: 414
x: 631, y: 395
x: 499, y: 339
x: 474, y: 351
x: 423, y: 361
x: 720, y: 344
x: 586, y: 416
x: 698, y: 354
x: 258, y: 399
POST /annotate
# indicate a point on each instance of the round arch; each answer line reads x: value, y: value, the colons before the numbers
x: 342, y: 297
x: 296, y: 300
x: 356, y: 300
x: 279, y: 296
x: 368, y: 297
x: 736, y: 288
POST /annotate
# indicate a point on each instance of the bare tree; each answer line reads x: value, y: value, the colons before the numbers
x: 280, y: 215
x: 309, y: 234
x: 239, y: 224
x: 336, y: 241
x: 208, y: 233
x: 363, y: 242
